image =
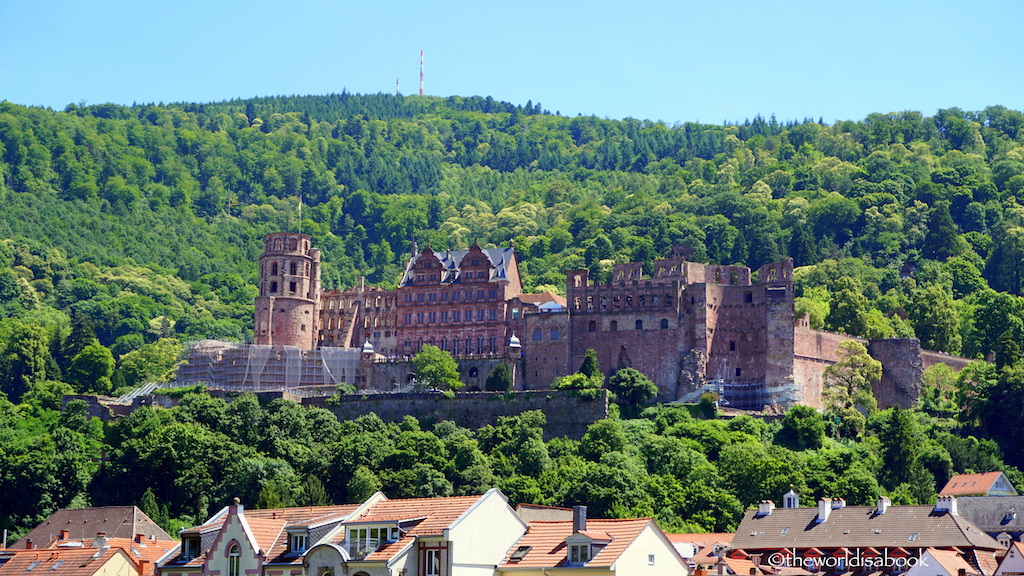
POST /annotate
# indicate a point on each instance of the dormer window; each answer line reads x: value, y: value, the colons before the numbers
x: 190, y: 548
x: 579, y: 554
x: 298, y: 542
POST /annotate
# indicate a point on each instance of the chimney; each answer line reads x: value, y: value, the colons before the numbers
x: 579, y: 519
x: 883, y: 505
x: 140, y: 538
x: 29, y: 545
x: 753, y: 571
x: 100, y: 541
x: 824, y: 509
x: 239, y: 508
x: 946, y: 504
x: 144, y: 567
x: 838, y: 503
x: 64, y: 535
x: 765, y: 507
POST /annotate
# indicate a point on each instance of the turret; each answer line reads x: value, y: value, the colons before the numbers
x: 289, y: 292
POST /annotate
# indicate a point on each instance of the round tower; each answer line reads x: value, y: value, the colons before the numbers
x: 288, y: 303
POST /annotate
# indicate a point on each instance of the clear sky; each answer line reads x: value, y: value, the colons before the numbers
x: 676, y: 61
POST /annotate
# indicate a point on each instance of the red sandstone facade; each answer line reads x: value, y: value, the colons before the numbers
x: 689, y: 327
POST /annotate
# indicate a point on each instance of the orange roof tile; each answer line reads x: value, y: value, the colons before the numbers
x: 964, y: 484
x: 434, y: 515
x: 547, y: 542
x: 148, y: 550
x: 64, y: 562
x: 951, y: 562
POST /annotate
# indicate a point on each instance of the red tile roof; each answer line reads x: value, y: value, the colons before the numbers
x: 432, y: 516
x: 114, y: 521
x: 148, y: 550
x: 547, y: 542
x: 951, y: 562
x: 966, y: 484
x: 70, y: 562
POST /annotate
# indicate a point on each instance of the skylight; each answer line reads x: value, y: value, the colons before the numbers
x: 520, y: 553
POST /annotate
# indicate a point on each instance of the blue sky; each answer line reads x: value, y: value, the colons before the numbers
x: 679, y: 61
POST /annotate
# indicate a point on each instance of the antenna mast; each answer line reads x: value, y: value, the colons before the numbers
x: 398, y: 88
x: 421, y: 72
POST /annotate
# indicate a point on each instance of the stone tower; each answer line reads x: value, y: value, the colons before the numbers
x: 288, y: 303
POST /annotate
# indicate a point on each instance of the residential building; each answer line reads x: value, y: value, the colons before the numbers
x: 83, y: 524
x: 109, y: 561
x: 455, y: 536
x: 581, y: 546
x: 997, y: 516
x: 1012, y: 563
x: 836, y: 538
x: 701, y: 550
x: 984, y: 484
x: 934, y: 562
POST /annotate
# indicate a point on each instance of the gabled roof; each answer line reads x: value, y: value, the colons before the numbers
x: 148, y: 550
x: 82, y: 523
x: 951, y: 562
x: 968, y: 484
x: 69, y: 562
x: 859, y: 527
x: 317, y: 519
x: 546, y: 542
x: 544, y: 298
x: 451, y: 261
x: 993, y: 514
x: 419, y: 516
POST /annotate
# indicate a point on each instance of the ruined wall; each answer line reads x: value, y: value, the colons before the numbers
x: 567, y: 415
x: 929, y: 359
x: 901, y: 371
x: 630, y: 323
x: 813, y: 351
x: 545, y: 339
x: 397, y: 374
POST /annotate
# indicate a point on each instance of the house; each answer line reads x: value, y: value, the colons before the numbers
x: 454, y: 536
x: 126, y: 522
x: 581, y: 546
x: 835, y: 538
x: 143, y: 551
x: 935, y: 562
x: 997, y: 516
x: 235, y: 541
x: 110, y: 561
x: 986, y: 484
x: 1012, y: 563
x: 701, y: 549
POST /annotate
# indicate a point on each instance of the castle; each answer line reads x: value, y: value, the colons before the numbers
x: 689, y: 327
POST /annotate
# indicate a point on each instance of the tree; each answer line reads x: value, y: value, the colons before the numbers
x: 848, y: 381
x: 935, y: 319
x: 849, y: 307
x: 23, y: 361
x: 942, y: 240
x: 500, y: 378
x: 632, y: 388
x: 802, y: 428
x: 91, y: 369
x: 435, y: 368
x: 590, y: 368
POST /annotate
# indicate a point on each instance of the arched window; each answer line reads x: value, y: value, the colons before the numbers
x: 614, y: 325
x: 234, y: 561
x: 664, y: 323
x: 639, y: 324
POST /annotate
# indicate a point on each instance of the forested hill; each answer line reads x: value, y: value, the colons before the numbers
x: 145, y: 220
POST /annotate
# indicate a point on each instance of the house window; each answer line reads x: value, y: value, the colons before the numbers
x: 650, y: 559
x: 432, y: 563
x: 298, y: 543
x: 191, y: 546
x: 234, y: 561
x: 579, y: 554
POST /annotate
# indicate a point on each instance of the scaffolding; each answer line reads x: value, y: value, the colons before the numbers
x: 255, y: 368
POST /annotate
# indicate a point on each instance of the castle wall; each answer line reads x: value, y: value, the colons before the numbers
x: 545, y: 338
x: 901, y: 371
x: 929, y: 359
x: 567, y: 415
x: 813, y: 351
x: 630, y: 323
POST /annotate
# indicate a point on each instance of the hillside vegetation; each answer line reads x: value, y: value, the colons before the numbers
x: 127, y: 231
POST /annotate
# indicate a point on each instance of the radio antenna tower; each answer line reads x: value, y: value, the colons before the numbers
x: 421, y: 72
x: 398, y: 88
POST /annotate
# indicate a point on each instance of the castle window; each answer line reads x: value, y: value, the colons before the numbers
x: 479, y: 315
x: 614, y: 325
x: 604, y: 303
x: 291, y: 286
x: 492, y: 294
x: 748, y: 296
x: 292, y: 269
x: 492, y: 314
x: 576, y: 303
x: 330, y: 304
x: 642, y: 300
x: 419, y: 297
x: 738, y: 372
x: 664, y: 324
x: 432, y: 317
x: 432, y: 297
x: 479, y: 294
x: 419, y: 317
x: 654, y: 300
x: 576, y: 281
x: 592, y: 326
x: 515, y: 313
x: 590, y: 302
x: 273, y: 287
x: 734, y: 278
x: 455, y: 315
x: 273, y: 269
x: 555, y: 334
x: 732, y: 345
x: 629, y: 301
x: 408, y: 318
x: 537, y: 334
x: 444, y: 316
x: 475, y: 262
x: 639, y: 324
x: 444, y: 296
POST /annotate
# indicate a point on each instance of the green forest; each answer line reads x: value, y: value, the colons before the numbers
x: 128, y: 231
